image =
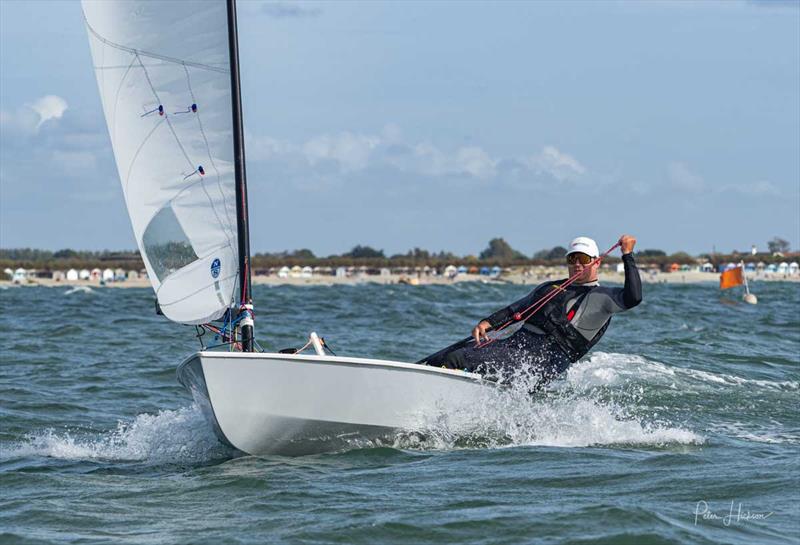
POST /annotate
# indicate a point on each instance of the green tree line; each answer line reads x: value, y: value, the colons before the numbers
x: 497, y: 252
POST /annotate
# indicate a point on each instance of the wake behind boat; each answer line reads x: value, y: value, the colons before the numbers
x: 168, y: 75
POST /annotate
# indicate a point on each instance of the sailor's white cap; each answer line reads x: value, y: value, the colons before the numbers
x: 584, y: 245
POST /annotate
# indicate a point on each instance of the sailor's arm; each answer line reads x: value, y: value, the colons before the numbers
x: 502, y: 316
x: 631, y: 293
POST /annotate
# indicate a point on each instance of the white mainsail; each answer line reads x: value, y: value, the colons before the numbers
x: 164, y: 79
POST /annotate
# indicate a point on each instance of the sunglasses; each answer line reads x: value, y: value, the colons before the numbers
x: 579, y: 257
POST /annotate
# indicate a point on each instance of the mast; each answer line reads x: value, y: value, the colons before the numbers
x: 242, y: 221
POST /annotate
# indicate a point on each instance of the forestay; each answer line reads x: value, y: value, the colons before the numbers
x: 163, y: 73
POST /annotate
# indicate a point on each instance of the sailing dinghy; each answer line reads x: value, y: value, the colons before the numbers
x: 168, y: 75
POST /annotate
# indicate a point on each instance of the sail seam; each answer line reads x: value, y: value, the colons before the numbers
x: 185, y: 297
x: 150, y: 54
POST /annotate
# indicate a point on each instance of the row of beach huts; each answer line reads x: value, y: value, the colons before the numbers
x: 21, y: 275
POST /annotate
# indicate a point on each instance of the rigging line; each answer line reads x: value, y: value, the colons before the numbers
x: 180, y: 144
x: 165, y: 58
x: 211, y: 159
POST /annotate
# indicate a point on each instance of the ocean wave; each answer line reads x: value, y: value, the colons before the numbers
x: 604, y: 369
x: 169, y: 436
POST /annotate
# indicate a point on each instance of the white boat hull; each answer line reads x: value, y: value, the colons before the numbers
x: 264, y: 403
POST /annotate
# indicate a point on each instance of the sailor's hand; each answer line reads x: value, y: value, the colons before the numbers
x: 479, y: 332
x: 626, y: 243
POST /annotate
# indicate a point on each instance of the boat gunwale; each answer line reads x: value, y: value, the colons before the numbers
x: 345, y: 361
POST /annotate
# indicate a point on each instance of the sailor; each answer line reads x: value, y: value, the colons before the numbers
x: 559, y: 333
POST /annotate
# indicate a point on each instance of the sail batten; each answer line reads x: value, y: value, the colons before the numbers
x: 163, y: 71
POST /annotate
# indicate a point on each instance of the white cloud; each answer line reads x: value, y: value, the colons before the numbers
x: 761, y: 187
x: 290, y: 10
x: 475, y: 161
x: 348, y: 152
x: 27, y: 120
x: 351, y: 151
x: 75, y: 161
x: 561, y: 166
x: 681, y: 177
x: 49, y: 107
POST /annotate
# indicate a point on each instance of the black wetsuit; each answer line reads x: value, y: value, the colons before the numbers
x: 551, y: 339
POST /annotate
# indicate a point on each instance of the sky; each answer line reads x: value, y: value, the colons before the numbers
x: 443, y: 125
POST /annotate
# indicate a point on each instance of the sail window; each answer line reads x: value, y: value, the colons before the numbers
x: 166, y: 244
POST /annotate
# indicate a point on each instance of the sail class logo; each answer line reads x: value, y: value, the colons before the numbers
x: 215, y: 268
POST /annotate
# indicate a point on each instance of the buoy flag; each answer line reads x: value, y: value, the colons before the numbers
x: 731, y: 278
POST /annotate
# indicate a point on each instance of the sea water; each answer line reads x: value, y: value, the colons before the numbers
x: 682, y: 426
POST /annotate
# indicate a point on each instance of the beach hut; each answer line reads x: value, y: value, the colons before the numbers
x: 108, y: 275
x: 132, y: 275
x: 119, y: 275
x: 306, y: 272
x: 72, y: 275
x: 473, y: 270
x: 96, y: 274
x: 462, y: 269
x: 760, y: 266
x: 58, y: 276
x: 283, y: 272
x: 675, y: 267
x: 783, y: 268
x: 84, y: 274
x: 750, y: 267
x: 496, y: 271
x: 772, y: 268
x: 794, y: 268
x: 485, y: 271
x: 296, y: 271
x: 707, y: 267
x: 386, y: 272
x: 450, y: 271
x: 341, y: 272
x: 19, y: 276
x: 9, y: 273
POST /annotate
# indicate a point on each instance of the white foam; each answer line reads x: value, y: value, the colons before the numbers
x: 181, y: 435
x: 79, y: 289
x: 575, y: 412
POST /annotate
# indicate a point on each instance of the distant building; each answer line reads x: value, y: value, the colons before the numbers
x: 283, y: 272
x: 58, y: 276
x: 108, y: 275
x: 84, y: 274
x: 19, y: 276
x: 96, y: 274
x: 72, y: 275
x: 133, y: 275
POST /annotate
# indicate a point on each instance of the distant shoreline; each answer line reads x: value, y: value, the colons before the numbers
x: 686, y: 277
